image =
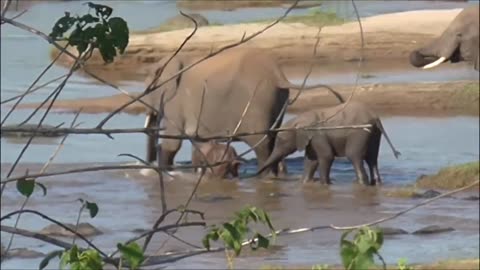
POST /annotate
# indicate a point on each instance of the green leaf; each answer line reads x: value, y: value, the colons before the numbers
x: 206, y: 242
x: 90, y: 259
x: 119, y: 33
x: 363, y: 261
x: 348, y: 252
x: 107, y: 50
x: 43, y: 187
x: 25, y: 187
x: 260, y: 242
x: 212, y: 235
x: 236, y: 238
x: 263, y: 242
x: 92, y: 207
x: 132, y: 253
x: 51, y: 255
x: 88, y: 18
x: 103, y: 11
x: 62, y: 25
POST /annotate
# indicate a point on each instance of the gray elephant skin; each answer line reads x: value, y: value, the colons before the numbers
x: 322, y: 146
x: 459, y: 42
x: 210, y: 153
x: 210, y: 98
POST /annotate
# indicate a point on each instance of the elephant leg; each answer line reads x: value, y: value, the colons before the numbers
x: 325, y: 164
x: 168, y: 149
x: 262, y: 152
x: 356, y: 150
x: 310, y: 165
x: 282, y: 168
x: 360, y: 172
x: 372, y: 158
x: 325, y: 156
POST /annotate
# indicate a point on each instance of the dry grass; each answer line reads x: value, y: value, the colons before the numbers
x: 452, y: 177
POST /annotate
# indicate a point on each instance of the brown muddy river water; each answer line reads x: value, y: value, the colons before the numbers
x: 129, y: 201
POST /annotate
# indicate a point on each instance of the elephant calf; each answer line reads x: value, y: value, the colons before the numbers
x: 322, y: 146
x: 212, y: 153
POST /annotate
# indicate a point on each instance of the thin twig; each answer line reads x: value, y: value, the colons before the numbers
x: 54, y: 154
x: 56, y: 222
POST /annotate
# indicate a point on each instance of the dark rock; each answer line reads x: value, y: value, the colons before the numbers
x: 426, y: 195
x: 392, y: 231
x: 433, y: 229
x: 471, y: 198
x: 213, y: 198
x: 22, y: 253
x: 85, y: 229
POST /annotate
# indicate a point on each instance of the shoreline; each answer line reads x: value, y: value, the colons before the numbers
x: 414, y: 99
x: 388, y: 37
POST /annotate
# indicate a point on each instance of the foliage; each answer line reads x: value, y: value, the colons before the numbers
x: 85, y: 260
x: 132, y: 253
x: 91, y: 206
x: 107, y: 34
x: 235, y: 232
x: 358, y: 254
x: 27, y: 186
x: 320, y: 267
x: 402, y: 264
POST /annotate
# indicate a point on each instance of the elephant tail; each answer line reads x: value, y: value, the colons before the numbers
x: 382, y: 129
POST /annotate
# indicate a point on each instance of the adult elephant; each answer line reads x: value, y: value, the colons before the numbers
x: 459, y: 42
x: 210, y: 99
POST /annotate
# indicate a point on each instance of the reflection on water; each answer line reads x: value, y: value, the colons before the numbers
x: 130, y: 202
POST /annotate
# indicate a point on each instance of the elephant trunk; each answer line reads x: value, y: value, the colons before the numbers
x: 282, y: 149
x: 437, y: 52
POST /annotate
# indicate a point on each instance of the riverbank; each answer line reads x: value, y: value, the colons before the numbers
x: 388, y: 37
x: 421, y: 99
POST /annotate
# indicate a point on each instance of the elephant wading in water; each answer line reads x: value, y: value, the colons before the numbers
x: 459, y: 42
x: 210, y: 98
x: 211, y: 153
x: 322, y: 146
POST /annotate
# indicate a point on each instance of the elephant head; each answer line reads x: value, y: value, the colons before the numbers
x: 459, y: 42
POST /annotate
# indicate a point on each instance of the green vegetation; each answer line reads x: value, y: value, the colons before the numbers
x: 314, y: 18
x: 467, y: 97
x: 451, y: 177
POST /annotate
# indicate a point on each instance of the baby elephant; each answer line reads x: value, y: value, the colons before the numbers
x: 322, y: 146
x: 212, y: 153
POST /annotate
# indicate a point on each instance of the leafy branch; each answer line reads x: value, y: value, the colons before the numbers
x: 102, y: 32
x: 235, y: 232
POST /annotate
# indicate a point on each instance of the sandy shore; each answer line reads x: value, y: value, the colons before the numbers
x: 387, y: 37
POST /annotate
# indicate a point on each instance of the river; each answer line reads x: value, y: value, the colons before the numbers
x: 129, y: 201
